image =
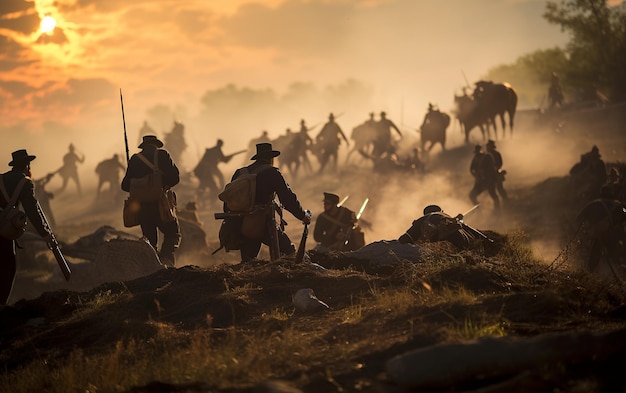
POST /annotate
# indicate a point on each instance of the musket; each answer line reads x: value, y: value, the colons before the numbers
x: 228, y: 157
x: 461, y: 216
x: 464, y: 77
x: 53, y: 245
x: 459, y: 219
x: 124, y: 121
x: 302, y: 245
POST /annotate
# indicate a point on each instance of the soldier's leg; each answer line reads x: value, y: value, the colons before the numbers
x: 8, y: 268
x: 148, y: 214
x: 250, y: 250
x: 502, y: 191
x: 476, y: 190
x: 491, y: 189
x: 171, y: 241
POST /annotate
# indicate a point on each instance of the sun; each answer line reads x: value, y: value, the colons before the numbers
x: 47, y: 24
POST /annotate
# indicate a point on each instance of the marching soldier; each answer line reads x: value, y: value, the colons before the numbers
x: 149, y: 213
x: 485, y: 175
x: 327, y: 142
x: 69, y: 170
x: 497, y: 160
x: 109, y: 172
x: 254, y: 230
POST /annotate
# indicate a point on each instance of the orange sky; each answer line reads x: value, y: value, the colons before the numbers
x: 358, y: 55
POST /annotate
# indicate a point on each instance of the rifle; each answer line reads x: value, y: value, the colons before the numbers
x: 53, y: 245
x: 302, y: 246
x: 124, y: 121
x: 230, y: 156
x: 459, y: 219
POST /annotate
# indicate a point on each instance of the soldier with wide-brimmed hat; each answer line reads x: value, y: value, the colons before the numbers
x: 17, y: 181
x: 269, y: 184
x: 150, y: 213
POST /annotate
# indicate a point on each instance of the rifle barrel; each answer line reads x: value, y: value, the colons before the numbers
x: 124, y: 121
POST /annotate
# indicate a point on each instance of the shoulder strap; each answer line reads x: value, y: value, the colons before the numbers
x: 155, y: 166
x: 13, y: 199
x: 145, y: 161
x: 261, y: 168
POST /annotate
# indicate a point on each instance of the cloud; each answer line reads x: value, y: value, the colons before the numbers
x: 18, y: 16
x: 294, y: 26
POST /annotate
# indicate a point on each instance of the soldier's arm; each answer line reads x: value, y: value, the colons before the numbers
x: 32, y: 210
x: 171, y: 174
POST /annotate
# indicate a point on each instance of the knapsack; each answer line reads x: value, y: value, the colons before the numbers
x: 150, y: 187
x: 239, y: 195
x: 12, y: 220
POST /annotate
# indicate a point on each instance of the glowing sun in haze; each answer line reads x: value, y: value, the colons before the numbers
x: 47, y: 24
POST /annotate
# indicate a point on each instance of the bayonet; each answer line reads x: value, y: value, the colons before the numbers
x: 343, y: 200
x: 124, y: 121
x: 362, y: 208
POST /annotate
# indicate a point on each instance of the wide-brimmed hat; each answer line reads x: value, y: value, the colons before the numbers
x: 150, y: 140
x: 264, y: 150
x: 491, y: 142
x: 333, y: 198
x: 20, y: 156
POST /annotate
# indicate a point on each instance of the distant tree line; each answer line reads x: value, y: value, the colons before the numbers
x: 593, y: 61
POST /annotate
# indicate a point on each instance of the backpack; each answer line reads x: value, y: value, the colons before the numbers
x: 148, y: 188
x: 12, y: 220
x: 239, y: 195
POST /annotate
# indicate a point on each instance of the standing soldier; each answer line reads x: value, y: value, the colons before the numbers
x: 109, y: 172
x: 302, y: 144
x: 150, y: 216
x: 336, y: 228
x: 485, y: 174
x: 269, y: 184
x: 69, y: 170
x: 383, y: 141
x: 18, y: 180
x: 497, y: 160
x: 555, y: 92
x: 175, y: 142
x: 207, y: 171
x: 327, y: 142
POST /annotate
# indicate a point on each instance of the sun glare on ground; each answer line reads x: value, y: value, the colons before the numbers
x: 47, y: 24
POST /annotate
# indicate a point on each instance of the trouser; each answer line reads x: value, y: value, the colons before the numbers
x: 479, y: 187
x: 250, y: 247
x: 8, y: 268
x: 150, y: 221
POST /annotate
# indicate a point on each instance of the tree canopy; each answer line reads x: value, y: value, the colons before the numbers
x: 592, y: 62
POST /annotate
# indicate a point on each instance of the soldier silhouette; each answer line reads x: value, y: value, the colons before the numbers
x: 69, y: 170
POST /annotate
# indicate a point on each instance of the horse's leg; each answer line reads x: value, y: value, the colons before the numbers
x: 511, y: 117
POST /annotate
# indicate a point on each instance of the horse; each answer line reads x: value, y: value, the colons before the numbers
x: 433, y: 129
x: 496, y: 99
x: 364, y: 137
